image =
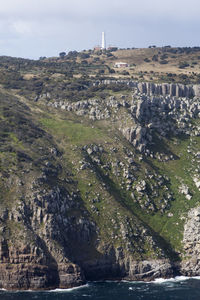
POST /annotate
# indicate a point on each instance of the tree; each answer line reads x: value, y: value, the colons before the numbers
x: 155, y: 58
x: 62, y: 54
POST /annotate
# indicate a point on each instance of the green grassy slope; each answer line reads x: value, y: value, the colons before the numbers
x: 29, y: 128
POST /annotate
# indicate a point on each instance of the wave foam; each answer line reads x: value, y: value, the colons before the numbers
x: 175, y: 279
x: 70, y: 289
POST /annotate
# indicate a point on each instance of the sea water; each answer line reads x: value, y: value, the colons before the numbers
x: 178, y: 288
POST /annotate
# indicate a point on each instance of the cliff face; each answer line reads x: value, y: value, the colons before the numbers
x: 159, y: 89
x: 103, y: 188
x: 191, y: 240
x: 31, y: 267
x: 48, y: 238
x: 31, y: 242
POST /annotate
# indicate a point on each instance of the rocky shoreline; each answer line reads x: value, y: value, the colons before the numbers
x: 32, y: 277
x: 27, y: 268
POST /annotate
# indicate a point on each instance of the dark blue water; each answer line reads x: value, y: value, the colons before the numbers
x: 176, y: 289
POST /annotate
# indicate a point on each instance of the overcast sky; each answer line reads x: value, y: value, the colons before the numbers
x: 34, y: 28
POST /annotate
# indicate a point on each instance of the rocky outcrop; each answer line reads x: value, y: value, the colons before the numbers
x: 146, y: 114
x: 20, y: 268
x: 159, y: 89
x: 149, y: 270
x: 136, y: 135
x: 190, y: 265
x: 130, y: 269
x: 164, y: 89
x: 40, y: 259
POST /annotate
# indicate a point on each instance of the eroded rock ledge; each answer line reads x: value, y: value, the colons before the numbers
x: 162, y: 89
x: 191, y: 241
x: 29, y: 274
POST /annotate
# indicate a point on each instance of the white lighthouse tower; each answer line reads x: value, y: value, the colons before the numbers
x: 103, y: 41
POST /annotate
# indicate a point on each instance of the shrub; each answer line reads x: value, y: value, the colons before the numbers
x: 125, y: 73
x: 183, y: 65
x: 84, y: 62
x: 164, y: 56
x: 84, y: 55
x: 62, y: 54
x: 155, y: 58
x: 183, y: 76
x: 103, y: 95
x: 109, y: 54
x: 42, y: 57
x: 164, y: 62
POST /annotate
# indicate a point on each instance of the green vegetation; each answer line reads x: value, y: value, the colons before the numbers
x: 74, y: 132
x: 44, y: 147
x: 183, y: 65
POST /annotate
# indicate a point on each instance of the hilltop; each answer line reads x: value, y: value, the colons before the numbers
x: 99, y: 167
x: 159, y: 64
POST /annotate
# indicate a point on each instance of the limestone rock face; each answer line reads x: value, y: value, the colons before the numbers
x: 130, y: 269
x: 148, y: 270
x: 28, y: 267
x: 191, y: 242
x: 136, y: 136
x: 196, y: 88
x: 162, y: 89
x: 161, y: 114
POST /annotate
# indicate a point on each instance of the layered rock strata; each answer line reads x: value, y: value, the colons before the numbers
x: 159, y: 89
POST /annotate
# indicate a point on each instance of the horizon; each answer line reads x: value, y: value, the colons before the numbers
x: 92, y: 49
